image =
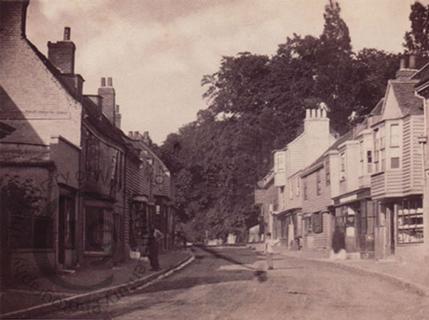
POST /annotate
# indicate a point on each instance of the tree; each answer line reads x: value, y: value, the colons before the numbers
x: 417, y: 40
x: 255, y: 104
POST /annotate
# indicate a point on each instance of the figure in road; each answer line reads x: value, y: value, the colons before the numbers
x: 269, y: 250
x: 154, y: 237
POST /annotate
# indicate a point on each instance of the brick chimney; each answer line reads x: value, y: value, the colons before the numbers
x: 13, y: 15
x: 146, y: 138
x: 61, y: 53
x: 407, y: 67
x: 108, y: 105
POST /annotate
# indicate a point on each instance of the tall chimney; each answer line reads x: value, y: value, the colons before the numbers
x: 146, y: 137
x: 61, y: 53
x: 67, y: 33
x: 13, y: 16
x: 108, y: 104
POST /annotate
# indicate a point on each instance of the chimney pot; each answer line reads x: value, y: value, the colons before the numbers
x: 136, y: 134
x: 103, y: 82
x: 109, y: 82
x: 67, y: 33
x: 130, y: 134
x: 307, y: 113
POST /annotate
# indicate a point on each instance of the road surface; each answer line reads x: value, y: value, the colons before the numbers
x: 228, y: 284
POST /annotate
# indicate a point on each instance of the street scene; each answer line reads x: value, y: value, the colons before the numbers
x: 187, y: 159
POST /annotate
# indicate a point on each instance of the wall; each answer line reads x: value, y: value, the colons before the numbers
x: 44, y: 107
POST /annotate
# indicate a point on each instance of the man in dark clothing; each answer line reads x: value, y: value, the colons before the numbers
x: 154, y: 236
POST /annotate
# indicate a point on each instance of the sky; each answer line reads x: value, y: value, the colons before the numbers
x: 157, y: 51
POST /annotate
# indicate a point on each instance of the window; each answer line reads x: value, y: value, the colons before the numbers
x: 305, y: 188
x: 369, y: 160
x: 291, y: 189
x: 327, y: 172
x: 394, y: 135
x: 98, y: 230
x: 282, y: 189
x: 318, y: 182
x: 410, y: 221
x: 343, y: 162
x: 394, y: 162
x: 317, y: 221
x: 30, y: 215
x: 308, y: 225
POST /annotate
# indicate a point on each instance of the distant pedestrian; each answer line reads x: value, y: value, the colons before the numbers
x: 269, y: 250
x: 154, y: 237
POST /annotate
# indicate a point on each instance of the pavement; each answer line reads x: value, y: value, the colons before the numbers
x: 31, y: 296
x: 413, y: 274
x: 233, y: 283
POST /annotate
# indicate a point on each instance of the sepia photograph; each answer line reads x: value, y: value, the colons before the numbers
x: 214, y: 159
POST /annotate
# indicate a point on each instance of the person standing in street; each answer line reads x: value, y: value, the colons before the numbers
x: 154, y: 237
x: 269, y: 250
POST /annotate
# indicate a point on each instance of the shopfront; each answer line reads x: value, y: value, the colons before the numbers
x: 355, y: 221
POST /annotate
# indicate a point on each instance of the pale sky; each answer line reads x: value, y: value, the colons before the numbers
x: 158, y: 50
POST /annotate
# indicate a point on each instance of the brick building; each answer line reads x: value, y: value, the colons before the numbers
x: 40, y: 156
x: 314, y: 139
x: 69, y: 177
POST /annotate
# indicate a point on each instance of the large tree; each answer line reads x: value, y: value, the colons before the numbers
x: 256, y: 104
x: 417, y: 39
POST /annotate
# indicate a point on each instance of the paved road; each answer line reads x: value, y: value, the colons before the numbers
x: 226, y: 284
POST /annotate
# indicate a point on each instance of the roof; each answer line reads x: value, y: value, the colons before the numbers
x: 96, y: 118
x: 407, y: 100
x: 347, y: 136
x: 378, y: 107
x: 55, y: 72
x: 5, y: 130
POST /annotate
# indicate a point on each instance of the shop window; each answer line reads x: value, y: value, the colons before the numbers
x: 410, y: 221
x: 308, y: 225
x: 394, y: 162
x: 317, y: 222
x: 30, y: 216
x: 98, y: 230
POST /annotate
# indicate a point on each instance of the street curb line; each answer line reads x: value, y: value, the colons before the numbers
x: 99, y: 296
x: 398, y: 281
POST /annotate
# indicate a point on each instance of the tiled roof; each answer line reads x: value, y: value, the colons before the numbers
x: 407, y: 100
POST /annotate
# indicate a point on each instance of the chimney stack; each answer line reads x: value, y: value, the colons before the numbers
x: 61, y: 53
x: 108, y: 103
x: 67, y: 33
x: 13, y: 16
x: 146, y: 137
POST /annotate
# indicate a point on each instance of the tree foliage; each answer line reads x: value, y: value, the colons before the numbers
x: 417, y: 40
x: 255, y: 104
